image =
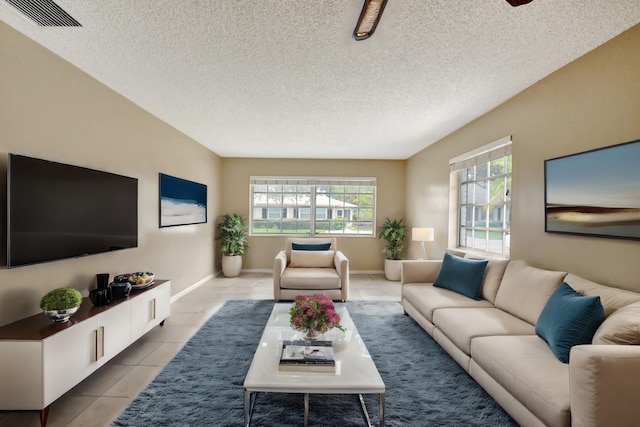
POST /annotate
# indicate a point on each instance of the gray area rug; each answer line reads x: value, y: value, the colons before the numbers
x: 202, y: 385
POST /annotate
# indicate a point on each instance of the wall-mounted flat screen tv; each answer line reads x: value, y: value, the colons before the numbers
x: 57, y: 211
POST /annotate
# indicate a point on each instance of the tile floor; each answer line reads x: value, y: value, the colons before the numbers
x: 105, y: 394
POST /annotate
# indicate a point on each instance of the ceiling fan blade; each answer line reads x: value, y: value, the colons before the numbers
x: 515, y: 3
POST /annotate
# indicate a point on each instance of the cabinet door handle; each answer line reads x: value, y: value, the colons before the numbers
x: 95, y: 335
x: 102, y: 340
x: 154, y: 309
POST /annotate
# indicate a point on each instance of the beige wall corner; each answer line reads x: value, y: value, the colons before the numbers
x: 592, y: 102
x: 51, y: 110
x: 364, y: 253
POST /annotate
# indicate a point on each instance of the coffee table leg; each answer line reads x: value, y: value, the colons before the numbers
x: 306, y: 409
x: 365, y: 413
x: 249, y: 400
x: 380, y: 409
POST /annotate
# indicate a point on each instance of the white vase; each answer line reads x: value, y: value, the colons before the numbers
x: 393, y: 269
x: 231, y: 265
x: 311, y: 335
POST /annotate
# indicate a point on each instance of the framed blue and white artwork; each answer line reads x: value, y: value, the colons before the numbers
x: 182, y: 202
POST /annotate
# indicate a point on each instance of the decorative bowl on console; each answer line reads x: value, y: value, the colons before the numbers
x: 59, y: 304
x: 138, y: 280
x: 61, y: 315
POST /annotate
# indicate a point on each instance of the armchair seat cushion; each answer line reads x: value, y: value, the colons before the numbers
x: 310, y: 278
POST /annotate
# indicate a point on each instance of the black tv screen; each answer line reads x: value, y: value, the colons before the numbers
x: 57, y: 211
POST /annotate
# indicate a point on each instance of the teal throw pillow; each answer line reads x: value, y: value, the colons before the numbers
x: 567, y: 319
x: 318, y: 246
x: 462, y: 275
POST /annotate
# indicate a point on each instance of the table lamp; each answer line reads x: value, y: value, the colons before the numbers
x: 422, y: 234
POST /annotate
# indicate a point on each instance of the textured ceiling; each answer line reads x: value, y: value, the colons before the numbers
x: 284, y: 78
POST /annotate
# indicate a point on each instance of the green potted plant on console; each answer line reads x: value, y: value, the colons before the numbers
x: 233, y: 236
x: 393, y: 232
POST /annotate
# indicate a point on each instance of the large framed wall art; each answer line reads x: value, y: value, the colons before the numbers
x: 182, y: 202
x: 595, y: 193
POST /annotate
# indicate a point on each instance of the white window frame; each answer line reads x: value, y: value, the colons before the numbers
x: 302, y: 199
x: 479, y: 241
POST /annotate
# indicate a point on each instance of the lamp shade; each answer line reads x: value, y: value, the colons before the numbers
x: 422, y: 234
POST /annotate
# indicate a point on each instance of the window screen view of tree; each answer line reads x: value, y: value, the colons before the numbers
x: 485, y: 206
x: 319, y: 208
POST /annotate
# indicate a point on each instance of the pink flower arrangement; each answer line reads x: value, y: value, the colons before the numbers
x: 314, y: 313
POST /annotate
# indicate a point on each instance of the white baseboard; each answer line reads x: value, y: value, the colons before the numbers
x: 257, y: 270
x: 183, y: 292
x: 264, y: 271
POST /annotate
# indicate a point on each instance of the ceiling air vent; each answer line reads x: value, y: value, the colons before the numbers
x: 45, y: 13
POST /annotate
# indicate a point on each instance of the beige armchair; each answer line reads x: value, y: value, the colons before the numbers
x: 306, y: 268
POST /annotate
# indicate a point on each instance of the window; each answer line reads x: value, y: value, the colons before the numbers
x: 305, y: 205
x: 483, y: 181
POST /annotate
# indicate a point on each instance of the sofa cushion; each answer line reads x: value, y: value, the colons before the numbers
x: 567, y: 319
x: 312, y: 259
x: 425, y: 298
x: 524, y: 290
x: 310, y: 278
x: 611, y: 298
x: 621, y: 327
x: 492, y: 277
x: 525, y: 366
x: 461, y: 275
x: 316, y: 246
x: 461, y: 325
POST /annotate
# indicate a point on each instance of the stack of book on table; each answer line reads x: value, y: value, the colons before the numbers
x: 312, y: 356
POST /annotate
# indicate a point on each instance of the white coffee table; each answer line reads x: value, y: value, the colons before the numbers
x: 356, y: 373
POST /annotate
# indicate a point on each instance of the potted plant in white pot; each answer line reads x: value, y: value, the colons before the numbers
x: 233, y: 236
x: 393, y: 232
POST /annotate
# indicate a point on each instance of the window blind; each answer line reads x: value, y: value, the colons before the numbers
x: 493, y: 151
x: 292, y: 180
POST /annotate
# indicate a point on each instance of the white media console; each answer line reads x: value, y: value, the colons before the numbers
x: 41, y: 360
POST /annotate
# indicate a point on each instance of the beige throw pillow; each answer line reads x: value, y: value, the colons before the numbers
x: 621, y: 327
x: 312, y: 259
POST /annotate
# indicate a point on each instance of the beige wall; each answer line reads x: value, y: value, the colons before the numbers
x: 591, y: 103
x: 364, y: 253
x: 51, y: 110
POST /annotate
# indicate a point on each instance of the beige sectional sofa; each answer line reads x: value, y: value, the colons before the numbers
x: 494, y: 339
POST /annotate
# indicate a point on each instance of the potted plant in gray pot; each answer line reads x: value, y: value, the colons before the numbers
x: 393, y: 232
x: 233, y: 236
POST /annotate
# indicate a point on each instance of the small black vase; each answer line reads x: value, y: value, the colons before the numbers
x: 100, y: 296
